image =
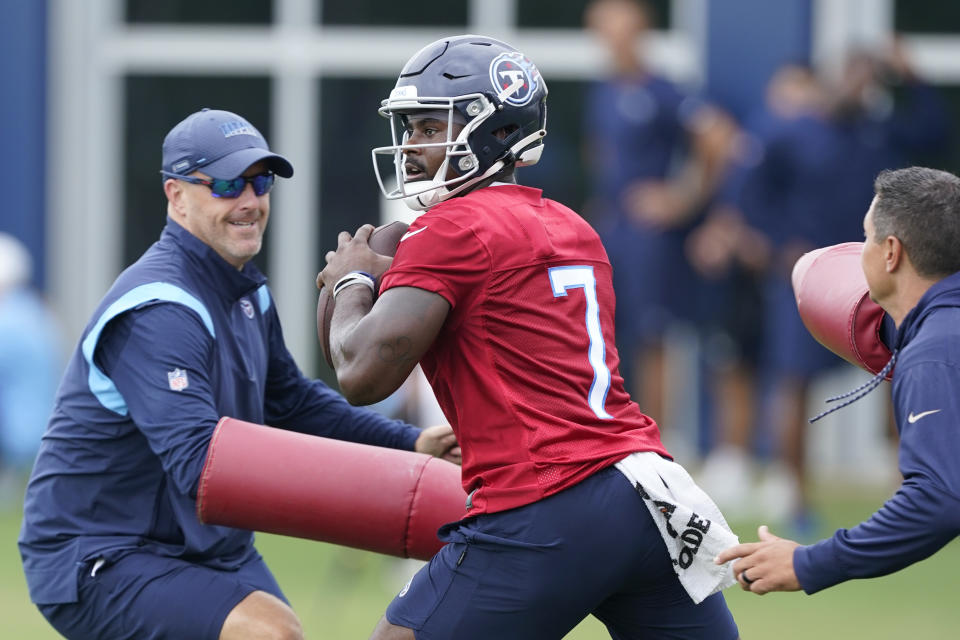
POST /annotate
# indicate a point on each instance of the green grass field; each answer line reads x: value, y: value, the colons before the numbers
x: 340, y: 593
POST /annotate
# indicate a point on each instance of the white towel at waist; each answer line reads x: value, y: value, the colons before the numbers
x: 692, y: 526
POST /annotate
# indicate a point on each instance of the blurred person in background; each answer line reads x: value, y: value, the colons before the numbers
x: 111, y: 544
x: 879, y: 115
x: 777, y: 204
x: 655, y: 154
x: 30, y: 363
x: 886, y: 116
x: 731, y: 253
x: 912, y: 268
x: 820, y: 146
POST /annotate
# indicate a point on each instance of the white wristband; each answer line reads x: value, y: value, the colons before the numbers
x: 352, y: 278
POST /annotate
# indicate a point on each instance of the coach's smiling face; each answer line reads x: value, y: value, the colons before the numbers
x: 233, y: 227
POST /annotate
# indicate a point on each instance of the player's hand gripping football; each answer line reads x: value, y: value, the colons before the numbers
x: 353, y: 254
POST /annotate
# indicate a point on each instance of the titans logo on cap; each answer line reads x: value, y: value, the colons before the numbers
x: 507, y: 68
x: 237, y: 128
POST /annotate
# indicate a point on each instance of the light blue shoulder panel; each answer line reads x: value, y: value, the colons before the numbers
x: 263, y: 298
x: 101, y: 385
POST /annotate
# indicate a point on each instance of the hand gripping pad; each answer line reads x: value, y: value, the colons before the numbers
x: 373, y: 498
x: 835, y: 305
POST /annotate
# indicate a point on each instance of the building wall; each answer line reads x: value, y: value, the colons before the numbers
x: 23, y: 57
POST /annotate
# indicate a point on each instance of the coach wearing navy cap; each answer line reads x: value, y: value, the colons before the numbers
x: 223, y: 144
x: 111, y: 544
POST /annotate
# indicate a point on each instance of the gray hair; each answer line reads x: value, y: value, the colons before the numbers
x: 921, y: 208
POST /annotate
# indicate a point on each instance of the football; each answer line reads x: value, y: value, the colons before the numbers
x: 383, y: 240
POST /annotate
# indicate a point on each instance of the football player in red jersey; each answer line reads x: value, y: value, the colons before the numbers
x: 505, y: 299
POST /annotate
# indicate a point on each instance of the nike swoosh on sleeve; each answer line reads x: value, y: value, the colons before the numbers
x: 913, y: 418
x: 410, y: 234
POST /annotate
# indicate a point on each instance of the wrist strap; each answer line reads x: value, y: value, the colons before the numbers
x: 352, y: 278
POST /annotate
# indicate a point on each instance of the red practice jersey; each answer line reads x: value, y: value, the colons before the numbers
x: 525, y: 367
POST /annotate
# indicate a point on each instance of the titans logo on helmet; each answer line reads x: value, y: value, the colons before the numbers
x: 507, y: 68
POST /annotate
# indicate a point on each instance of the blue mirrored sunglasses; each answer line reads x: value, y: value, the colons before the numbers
x: 262, y: 183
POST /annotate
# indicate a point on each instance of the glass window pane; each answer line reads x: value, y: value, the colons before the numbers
x: 350, y: 127
x: 154, y: 104
x: 540, y: 14
x: 389, y: 12
x: 926, y: 17
x: 560, y: 170
x: 947, y: 159
x: 245, y: 12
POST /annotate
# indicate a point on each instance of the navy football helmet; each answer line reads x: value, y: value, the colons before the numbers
x: 482, y: 83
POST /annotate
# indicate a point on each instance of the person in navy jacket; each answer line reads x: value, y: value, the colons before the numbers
x: 912, y: 268
x: 111, y: 544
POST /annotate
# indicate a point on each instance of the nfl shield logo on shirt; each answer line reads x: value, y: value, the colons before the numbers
x: 178, y: 379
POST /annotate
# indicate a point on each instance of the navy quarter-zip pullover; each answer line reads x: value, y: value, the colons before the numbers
x: 180, y: 340
x: 924, y: 514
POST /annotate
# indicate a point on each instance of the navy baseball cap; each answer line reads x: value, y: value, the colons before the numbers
x: 221, y: 144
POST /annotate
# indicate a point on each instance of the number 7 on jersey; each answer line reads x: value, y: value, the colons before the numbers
x: 563, y: 279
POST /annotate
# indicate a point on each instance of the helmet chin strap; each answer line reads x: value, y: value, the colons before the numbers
x: 431, y: 197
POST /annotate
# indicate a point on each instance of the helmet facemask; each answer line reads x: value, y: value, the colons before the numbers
x: 423, y: 194
x: 460, y: 161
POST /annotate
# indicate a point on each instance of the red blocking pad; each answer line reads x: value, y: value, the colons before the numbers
x: 373, y: 498
x: 835, y: 305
